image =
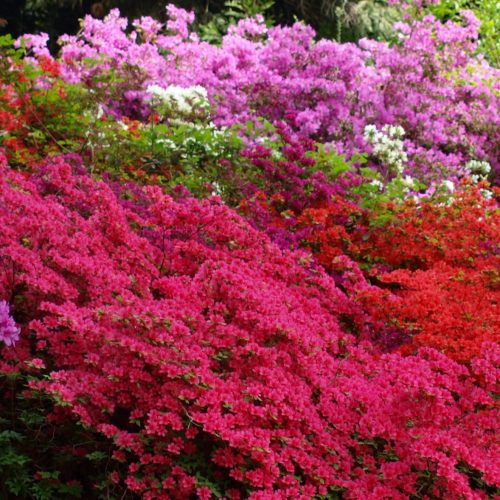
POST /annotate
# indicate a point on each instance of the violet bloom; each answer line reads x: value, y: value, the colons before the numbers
x: 9, y: 332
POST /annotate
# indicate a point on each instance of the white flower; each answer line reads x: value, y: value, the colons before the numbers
x: 183, y: 100
x: 168, y: 143
x: 377, y: 183
x: 387, y: 145
x: 393, y: 131
x: 448, y: 185
x: 408, y: 181
x: 482, y: 167
x: 369, y: 132
x: 477, y: 170
x: 399, y: 132
x: 217, y: 189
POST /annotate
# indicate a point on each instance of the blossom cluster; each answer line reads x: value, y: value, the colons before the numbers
x: 180, y: 100
x: 444, y: 260
x: 388, y: 146
x: 429, y: 83
x: 236, y: 351
x: 477, y: 170
x: 9, y: 332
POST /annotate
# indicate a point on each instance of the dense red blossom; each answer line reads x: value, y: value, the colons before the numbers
x: 436, y: 264
x: 444, y: 261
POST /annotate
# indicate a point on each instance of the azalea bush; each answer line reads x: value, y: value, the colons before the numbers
x: 241, y: 385
x: 428, y: 82
x: 445, y: 10
x: 32, y: 101
x: 265, y: 269
x: 435, y: 266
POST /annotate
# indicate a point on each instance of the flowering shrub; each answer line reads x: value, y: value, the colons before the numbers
x: 178, y: 100
x: 33, y: 98
x: 387, y: 146
x: 322, y: 323
x: 485, y: 10
x: 444, y: 260
x: 171, y: 148
x: 436, y: 266
x: 428, y: 82
x: 246, y: 381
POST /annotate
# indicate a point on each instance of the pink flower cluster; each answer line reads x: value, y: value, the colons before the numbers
x: 429, y: 82
x: 182, y: 334
x: 9, y: 332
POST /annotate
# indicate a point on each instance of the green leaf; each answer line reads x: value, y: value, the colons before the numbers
x: 96, y: 456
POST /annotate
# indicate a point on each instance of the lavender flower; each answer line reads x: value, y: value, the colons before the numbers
x: 9, y: 332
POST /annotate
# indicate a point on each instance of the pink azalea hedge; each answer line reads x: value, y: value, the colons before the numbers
x: 180, y: 332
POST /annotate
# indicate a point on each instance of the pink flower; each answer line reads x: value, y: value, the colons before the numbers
x: 36, y: 363
x: 9, y: 332
x: 204, y: 493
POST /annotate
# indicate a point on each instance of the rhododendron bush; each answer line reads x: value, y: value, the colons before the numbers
x: 179, y: 332
x: 266, y: 269
x: 436, y: 267
x: 429, y: 82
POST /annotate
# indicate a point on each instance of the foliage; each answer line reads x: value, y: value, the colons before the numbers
x: 167, y: 150
x: 44, y: 456
x: 32, y: 101
x: 234, y: 10
x: 353, y: 19
x: 350, y: 20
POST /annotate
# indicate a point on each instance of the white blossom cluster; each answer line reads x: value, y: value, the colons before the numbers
x: 477, y: 170
x: 448, y: 185
x: 180, y: 99
x: 206, y: 138
x: 487, y: 194
x: 378, y: 184
x: 408, y: 182
x: 387, y: 145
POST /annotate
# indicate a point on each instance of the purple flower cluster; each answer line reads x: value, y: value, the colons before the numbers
x: 429, y: 82
x: 9, y: 332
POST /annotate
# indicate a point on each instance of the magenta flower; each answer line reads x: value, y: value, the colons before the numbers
x: 9, y: 332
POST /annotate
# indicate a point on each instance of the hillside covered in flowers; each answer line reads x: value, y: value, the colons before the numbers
x: 266, y: 268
